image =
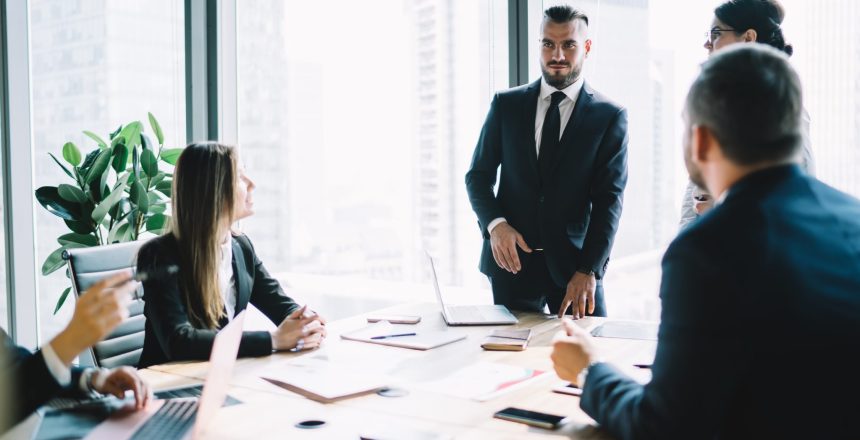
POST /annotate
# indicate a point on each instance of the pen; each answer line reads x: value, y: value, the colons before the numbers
x: 392, y: 336
x: 643, y: 366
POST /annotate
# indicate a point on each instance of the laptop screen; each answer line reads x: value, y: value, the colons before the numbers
x: 221, y: 362
x: 436, y: 285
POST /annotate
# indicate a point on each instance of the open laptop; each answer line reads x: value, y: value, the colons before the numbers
x: 488, y: 314
x: 174, y: 418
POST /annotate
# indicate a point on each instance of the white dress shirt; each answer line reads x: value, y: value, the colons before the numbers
x: 61, y: 372
x: 226, y: 280
x: 565, y: 108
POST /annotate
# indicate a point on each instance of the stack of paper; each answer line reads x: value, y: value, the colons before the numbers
x: 485, y: 380
x: 322, y: 381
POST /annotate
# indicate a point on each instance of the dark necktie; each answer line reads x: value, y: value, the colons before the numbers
x: 549, y: 135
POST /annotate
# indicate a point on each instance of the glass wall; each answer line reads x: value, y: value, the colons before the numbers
x: 4, y: 295
x: 358, y: 121
x: 96, y: 65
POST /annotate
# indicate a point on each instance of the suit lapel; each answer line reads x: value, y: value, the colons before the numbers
x: 583, y: 101
x: 243, y: 287
x: 531, y: 96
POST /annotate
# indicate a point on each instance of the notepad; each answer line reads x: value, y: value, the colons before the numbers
x: 420, y: 340
x: 507, y: 339
x: 485, y: 380
x: 322, y: 381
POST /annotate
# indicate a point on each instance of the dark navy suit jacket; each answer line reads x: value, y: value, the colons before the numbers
x: 760, y: 327
x: 574, y: 214
x: 31, y: 382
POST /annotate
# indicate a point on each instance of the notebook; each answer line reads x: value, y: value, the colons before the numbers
x: 405, y: 336
x: 507, y: 339
x: 323, y: 381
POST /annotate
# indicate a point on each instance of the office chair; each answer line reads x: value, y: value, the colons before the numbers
x: 86, y: 267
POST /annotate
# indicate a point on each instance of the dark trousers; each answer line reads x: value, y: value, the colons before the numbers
x: 532, y: 288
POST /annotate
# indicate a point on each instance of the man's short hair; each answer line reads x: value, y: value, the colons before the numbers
x: 750, y: 98
x: 564, y: 14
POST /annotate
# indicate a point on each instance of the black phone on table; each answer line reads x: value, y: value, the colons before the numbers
x: 531, y: 418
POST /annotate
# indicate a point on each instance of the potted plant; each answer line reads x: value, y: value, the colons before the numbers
x: 117, y: 192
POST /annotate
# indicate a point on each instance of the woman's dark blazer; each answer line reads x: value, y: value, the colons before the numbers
x: 169, y: 333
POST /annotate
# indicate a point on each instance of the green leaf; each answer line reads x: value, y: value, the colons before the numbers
x: 166, y: 187
x: 116, y: 132
x: 89, y: 160
x: 118, y: 232
x: 156, y: 128
x: 71, y: 193
x: 79, y: 227
x: 95, y: 137
x: 102, y: 208
x: 87, y: 240
x: 131, y: 134
x: 120, y: 157
x: 138, y: 196
x: 157, y: 209
x: 157, y: 224
x: 72, y: 154
x: 54, y: 261
x: 171, y: 155
x: 49, y: 198
x: 157, y: 179
x: 62, y: 299
x: 99, y: 166
x: 61, y: 165
x: 149, y: 163
x: 145, y: 142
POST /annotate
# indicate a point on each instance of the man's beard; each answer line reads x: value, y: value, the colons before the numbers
x: 560, y: 81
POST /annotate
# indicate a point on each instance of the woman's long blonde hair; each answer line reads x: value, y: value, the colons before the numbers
x: 204, y: 184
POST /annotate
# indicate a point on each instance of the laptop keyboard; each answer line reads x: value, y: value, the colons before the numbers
x: 171, y: 421
x: 192, y: 391
x: 468, y: 313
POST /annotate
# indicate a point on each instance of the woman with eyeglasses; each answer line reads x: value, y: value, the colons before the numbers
x: 744, y: 21
x: 216, y: 271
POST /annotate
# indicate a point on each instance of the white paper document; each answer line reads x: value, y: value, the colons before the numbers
x: 485, y: 380
x: 405, y: 336
x: 321, y: 380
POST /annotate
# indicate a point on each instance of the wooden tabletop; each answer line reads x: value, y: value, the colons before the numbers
x: 271, y: 410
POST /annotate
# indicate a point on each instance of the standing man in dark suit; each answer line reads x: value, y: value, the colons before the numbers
x: 35, y: 378
x: 761, y: 296
x: 562, y: 148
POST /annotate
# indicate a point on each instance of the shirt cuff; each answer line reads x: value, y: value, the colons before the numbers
x: 58, y: 369
x: 495, y: 223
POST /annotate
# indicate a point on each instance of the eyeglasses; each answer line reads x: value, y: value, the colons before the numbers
x: 714, y: 33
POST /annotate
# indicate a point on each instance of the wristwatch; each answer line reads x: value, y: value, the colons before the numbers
x: 586, y: 271
x: 89, y: 374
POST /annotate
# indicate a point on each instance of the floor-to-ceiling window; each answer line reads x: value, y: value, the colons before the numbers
x: 95, y: 65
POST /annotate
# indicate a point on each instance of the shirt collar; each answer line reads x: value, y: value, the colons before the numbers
x: 571, y: 91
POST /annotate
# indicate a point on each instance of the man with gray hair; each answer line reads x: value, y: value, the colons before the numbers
x: 760, y: 297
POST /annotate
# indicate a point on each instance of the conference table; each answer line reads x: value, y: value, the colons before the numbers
x: 424, y: 412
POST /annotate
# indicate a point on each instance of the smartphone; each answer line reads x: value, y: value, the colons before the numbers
x: 531, y: 418
x: 570, y: 388
x: 395, y: 319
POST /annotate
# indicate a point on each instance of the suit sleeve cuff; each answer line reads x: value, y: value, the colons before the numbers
x: 62, y: 374
x: 495, y: 223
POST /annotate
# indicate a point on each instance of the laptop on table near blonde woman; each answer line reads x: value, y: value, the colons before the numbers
x: 174, y: 418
